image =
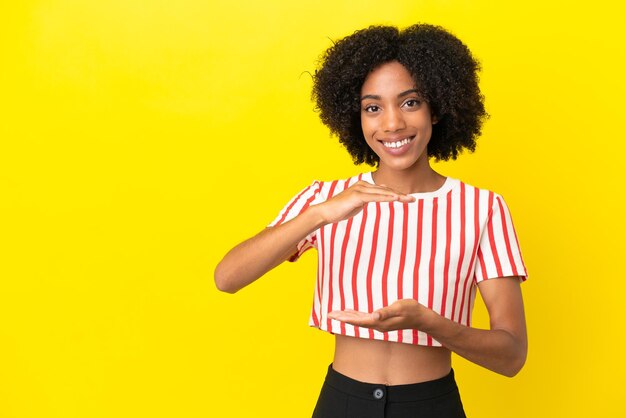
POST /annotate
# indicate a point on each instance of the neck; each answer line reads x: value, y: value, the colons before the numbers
x: 419, y: 178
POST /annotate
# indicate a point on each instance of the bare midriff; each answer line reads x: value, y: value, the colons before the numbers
x: 389, y: 363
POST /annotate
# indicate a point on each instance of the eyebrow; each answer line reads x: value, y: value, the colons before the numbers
x: 376, y: 97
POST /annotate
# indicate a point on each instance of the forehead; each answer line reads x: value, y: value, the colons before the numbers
x: 389, y: 77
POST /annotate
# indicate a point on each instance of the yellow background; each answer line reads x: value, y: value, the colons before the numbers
x: 140, y: 140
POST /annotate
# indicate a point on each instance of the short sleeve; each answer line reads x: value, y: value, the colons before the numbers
x: 297, y: 205
x: 499, y: 253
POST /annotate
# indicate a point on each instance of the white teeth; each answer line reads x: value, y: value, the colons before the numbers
x: 397, y: 144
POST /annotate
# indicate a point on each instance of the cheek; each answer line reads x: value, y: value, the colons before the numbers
x: 368, y: 132
x: 424, y: 123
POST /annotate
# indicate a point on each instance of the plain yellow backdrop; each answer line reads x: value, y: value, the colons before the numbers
x: 140, y: 140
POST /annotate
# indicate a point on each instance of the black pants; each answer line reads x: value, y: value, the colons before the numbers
x: 343, y: 397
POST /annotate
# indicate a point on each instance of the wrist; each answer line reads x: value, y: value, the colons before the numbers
x: 424, y: 318
x: 315, y: 216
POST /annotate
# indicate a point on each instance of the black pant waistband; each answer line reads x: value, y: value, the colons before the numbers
x: 393, y: 393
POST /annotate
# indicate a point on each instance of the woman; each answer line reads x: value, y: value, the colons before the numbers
x: 401, y: 249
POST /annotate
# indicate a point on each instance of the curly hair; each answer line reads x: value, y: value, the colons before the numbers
x: 444, y: 70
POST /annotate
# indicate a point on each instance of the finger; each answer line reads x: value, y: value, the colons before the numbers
x: 383, y: 187
x: 340, y: 312
x: 375, y: 188
x: 353, y: 318
x: 334, y: 314
x: 386, y: 313
x: 379, y: 197
x: 360, y: 322
x: 379, y: 325
x: 392, y: 324
x: 378, y: 190
x: 347, y: 315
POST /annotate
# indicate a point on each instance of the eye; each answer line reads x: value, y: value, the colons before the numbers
x: 371, y: 108
x: 413, y: 103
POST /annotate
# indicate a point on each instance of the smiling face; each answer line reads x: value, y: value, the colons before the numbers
x: 396, y: 121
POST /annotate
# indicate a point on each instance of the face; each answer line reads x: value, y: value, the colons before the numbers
x: 396, y: 121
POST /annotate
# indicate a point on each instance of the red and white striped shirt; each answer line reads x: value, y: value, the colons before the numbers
x: 435, y: 250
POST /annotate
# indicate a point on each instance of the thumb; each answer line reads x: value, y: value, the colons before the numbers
x: 384, y: 313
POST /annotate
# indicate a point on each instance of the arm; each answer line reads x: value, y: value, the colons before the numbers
x: 501, y: 349
x: 256, y: 256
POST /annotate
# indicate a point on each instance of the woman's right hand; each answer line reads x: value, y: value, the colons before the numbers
x: 352, y: 200
x: 256, y: 256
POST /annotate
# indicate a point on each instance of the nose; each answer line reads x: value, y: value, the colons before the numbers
x: 393, y: 120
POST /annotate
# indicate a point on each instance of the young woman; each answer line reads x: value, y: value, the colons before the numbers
x: 401, y: 249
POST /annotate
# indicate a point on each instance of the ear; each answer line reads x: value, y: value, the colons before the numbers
x: 434, y: 119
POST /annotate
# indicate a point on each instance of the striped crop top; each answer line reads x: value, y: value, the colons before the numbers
x: 435, y: 250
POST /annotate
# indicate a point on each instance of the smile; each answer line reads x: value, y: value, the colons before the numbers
x: 398, y: 144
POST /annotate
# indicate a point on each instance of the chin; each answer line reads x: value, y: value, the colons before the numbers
x: 400, y: 165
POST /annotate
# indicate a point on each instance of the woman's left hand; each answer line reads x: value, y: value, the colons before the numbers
x: 402, y: 314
